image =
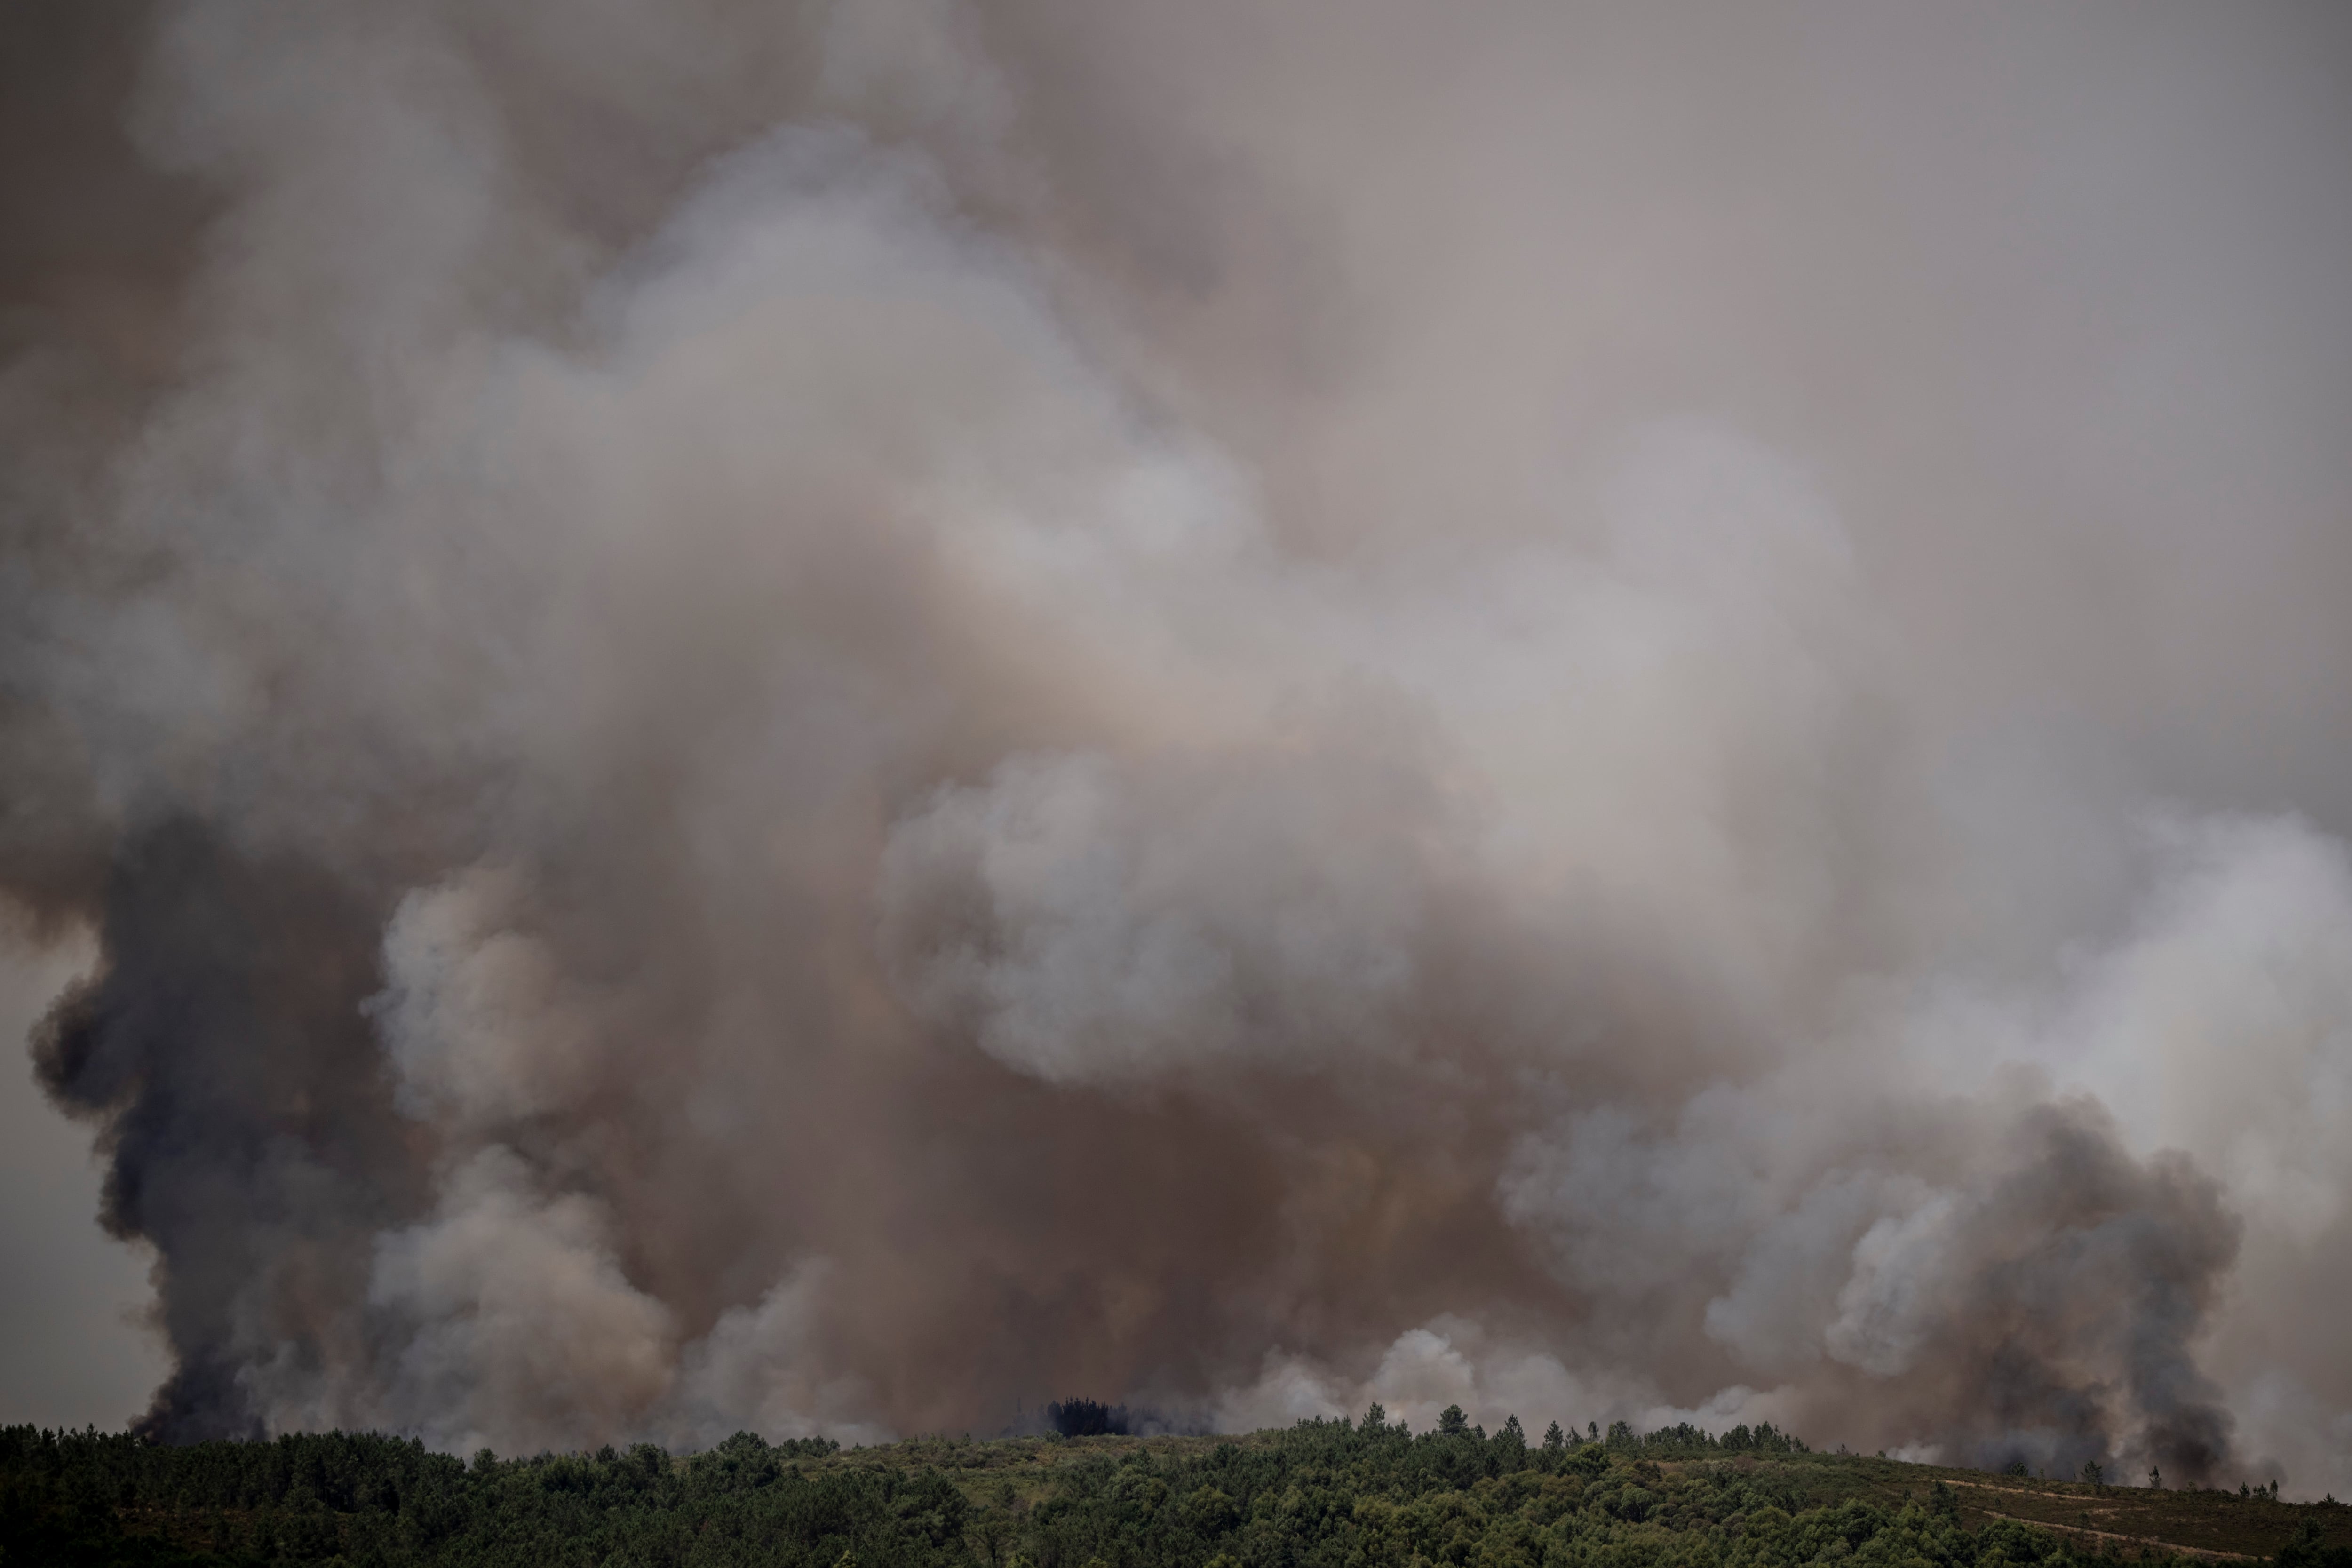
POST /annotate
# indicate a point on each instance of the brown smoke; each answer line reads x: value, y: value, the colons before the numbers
x: 840, y: 716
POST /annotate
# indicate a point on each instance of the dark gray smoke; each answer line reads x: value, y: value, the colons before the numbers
x: 251, y: 1136
x: 840, y: 716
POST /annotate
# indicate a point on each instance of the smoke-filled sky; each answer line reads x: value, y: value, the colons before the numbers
x: 835, y: 717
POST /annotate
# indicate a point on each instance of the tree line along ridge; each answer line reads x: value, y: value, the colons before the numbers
x: 1321, y: 1494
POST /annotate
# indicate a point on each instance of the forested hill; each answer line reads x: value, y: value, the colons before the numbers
x: 1328, y: 1494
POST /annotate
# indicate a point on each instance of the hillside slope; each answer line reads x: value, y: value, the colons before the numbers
x: 1320, y: 1495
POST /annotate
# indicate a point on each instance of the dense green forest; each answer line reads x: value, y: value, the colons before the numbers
x: 1329, y: 1494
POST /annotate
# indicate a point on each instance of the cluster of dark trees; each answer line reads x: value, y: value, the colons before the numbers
x: 1084, y: 1418
x: 2308, y: 1551
x: 352, y: 1498
x: 1688, y: 1442
x: 1324, y: 1494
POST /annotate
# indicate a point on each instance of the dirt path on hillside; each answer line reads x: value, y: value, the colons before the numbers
x: 2113, y: 1535
x: 2014, y: 1491
x: 2078, y: 1499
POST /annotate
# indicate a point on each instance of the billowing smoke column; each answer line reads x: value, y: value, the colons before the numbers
x: 836, y: 718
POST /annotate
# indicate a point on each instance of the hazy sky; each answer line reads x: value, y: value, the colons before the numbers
x: 842, y: 716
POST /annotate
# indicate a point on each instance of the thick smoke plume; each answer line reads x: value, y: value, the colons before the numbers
x: 839, y: 717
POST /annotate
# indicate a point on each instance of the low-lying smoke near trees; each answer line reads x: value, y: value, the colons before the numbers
x: 831, y: 718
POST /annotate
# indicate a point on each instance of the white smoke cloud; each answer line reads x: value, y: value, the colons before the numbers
x: 763, y: 1369
x: 1458, y: 1362
x: 474, y: 1014
x: 1120, y: 944
x: 500, y: 1300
